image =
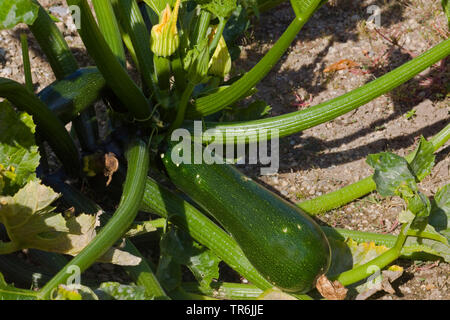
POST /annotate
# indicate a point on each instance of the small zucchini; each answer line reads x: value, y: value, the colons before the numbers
x: 282, y: 242
x: 71, y: 95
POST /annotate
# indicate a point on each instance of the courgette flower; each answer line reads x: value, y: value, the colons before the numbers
x: 164, y: 36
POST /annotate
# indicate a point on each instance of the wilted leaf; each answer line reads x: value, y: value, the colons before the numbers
x: 341, y: 65
x: 275, y: 294
x: 74, y: 292
x: 331, y: 290
x: 19, y: 156
x: 364, y: 252
x: 379, y: 282
x: 433, y: 247
x: 32, y: 223
x: 13, y: 12
x: 117, y: 291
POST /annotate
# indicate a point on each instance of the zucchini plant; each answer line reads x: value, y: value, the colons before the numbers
x: 208, y: 210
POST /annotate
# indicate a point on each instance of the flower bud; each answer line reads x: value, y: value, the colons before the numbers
x: 220, y: 64
x: 164, y: 36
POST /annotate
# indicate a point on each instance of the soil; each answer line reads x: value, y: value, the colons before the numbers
x: 332, y: 155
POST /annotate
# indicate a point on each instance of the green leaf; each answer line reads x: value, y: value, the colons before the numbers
x: 202, y: 262
x: 8, y: 292
x: 440, y: 211
x: 18, y: 151
x: 13, y: 12
x: 423, y: 160
x: 420, y: 206
x: 437, y: 248
x: 275, y: 294
x: 220, y: 8
x: 117, y: 291
x: 392, y: 174
x: 196, y: 62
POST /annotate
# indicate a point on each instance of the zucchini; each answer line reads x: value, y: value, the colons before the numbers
x: 74, y: 93
x: 282, y: 242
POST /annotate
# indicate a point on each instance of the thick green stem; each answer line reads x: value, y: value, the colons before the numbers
x: 181, y: 111
x: 114, y: 73
x: 358, y: 189
x: 138, y: 160
x: 109, y: 27
x: 26, y: 62
x: 359, y: 273
x: 215, y: 102
x: 294, y: 122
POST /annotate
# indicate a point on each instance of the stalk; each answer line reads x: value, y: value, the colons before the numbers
x: 109, y: 27
x: 215, y: 102
x: 358, y: 189
x: 49, y: 126
x: 114, y: 73
x: 359, y: 273
x: 133, y: 24
x: 138, y: 159
x: 225, y: 290
x: 26, y: 62
x: 63, y: 63
x: 53, y: 44
x: 141, y: 274
x: 294, y: 122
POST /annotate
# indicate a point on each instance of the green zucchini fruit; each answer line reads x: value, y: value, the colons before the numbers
x: 282, y: 242
x: 71, y: 95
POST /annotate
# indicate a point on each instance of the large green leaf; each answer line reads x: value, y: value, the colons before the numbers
x: 220, y: 8
x: 13, y: 12
x: 392, y: 175
x: 19, y: 156
x: 423, y: 160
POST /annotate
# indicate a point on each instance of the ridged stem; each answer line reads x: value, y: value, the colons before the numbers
x: 138, y: 160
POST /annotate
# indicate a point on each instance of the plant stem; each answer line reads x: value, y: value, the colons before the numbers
x: 182, y: 107
x: 114, y: 73
x: 361, y: 272
x: 26, y: 62
x: 358, y: 189
x: 138, y: 160
x: 294, y: 122
x: 215, y: 102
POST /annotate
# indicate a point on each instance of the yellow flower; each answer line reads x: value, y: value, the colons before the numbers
x: 164, y: 36
x: 220, y: 64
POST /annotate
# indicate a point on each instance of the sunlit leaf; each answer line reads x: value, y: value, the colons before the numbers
x: 392, y: 174
x: 117, y: 291
x: 19, y: 156
x: 220, y: 8
x: 440, y: 211
x: 13, y: 12
x: 275, y: 294
x: 423, y: 160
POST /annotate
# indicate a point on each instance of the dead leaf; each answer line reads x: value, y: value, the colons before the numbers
x: 380, y: 283
x: 341, y: 65
x: 331, y: 290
